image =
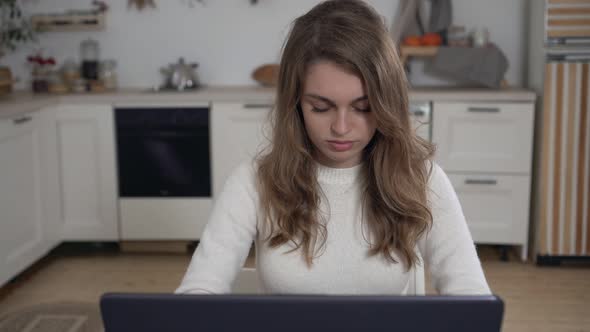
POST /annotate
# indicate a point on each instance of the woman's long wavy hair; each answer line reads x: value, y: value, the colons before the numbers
x: 396, y: 163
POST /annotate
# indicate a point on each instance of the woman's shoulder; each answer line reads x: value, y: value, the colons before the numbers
x: 436, y: 173
x: 243, y: 175
x: 438, y: 181
x: 245, y: 169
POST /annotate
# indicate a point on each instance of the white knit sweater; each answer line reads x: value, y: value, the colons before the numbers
x: 343, y: 266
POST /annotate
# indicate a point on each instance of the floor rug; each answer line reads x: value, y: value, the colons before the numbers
x: 54, y: 317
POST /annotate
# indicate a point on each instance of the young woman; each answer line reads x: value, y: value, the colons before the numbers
x: 346, y: 199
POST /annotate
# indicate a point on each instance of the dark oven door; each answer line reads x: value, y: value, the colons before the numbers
x: 163, y: 152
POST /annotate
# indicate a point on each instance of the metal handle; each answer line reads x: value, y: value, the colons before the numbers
x: 257, y: 106
x: 484, y: 109
x: 242, y: 118
x: 21, y: 120
x: 419, y: 113
x: 491, y: 182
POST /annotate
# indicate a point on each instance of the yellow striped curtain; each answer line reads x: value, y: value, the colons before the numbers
x: 567, y: 18
x: 564, y: 228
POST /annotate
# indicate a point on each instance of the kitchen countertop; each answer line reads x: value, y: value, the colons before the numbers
x: 24, y: 102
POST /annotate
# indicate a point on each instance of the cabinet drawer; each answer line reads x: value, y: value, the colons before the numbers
x: 495, y: 206
x: 163, y: 219
x: 484, y: 137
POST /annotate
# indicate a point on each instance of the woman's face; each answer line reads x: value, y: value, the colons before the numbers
x: 337, y: 115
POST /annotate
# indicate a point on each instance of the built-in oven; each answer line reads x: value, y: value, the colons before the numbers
x: 163, y: 152
x: 164, y: 171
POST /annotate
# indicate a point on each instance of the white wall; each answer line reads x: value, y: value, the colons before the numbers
x: 230, y: 38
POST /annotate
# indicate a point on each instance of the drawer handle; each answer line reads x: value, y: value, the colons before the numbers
x: 257, y: 106
x: 253, y: 118
x: 21, y: 120
x: 484, y: 109
x: 490, y: 182
x: 419, y: 113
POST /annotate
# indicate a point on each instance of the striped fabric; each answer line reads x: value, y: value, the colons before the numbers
x: 567, y: 18
x: 564, y: 225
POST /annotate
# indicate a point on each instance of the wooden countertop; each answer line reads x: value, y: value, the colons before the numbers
x: 24, y: 102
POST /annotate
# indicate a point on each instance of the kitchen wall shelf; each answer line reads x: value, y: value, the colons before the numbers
x: 69, y: 22
x: 422, y: 51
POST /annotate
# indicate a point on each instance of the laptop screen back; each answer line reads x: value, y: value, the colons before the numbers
x: 296, y: 313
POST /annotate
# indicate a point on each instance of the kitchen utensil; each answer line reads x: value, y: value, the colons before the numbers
x: 181, y: 75
x: 266, y: 74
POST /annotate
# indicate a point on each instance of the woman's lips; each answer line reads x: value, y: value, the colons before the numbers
x: 340, y: 146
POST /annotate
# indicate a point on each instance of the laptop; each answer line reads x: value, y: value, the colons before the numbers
x: 124, y: 312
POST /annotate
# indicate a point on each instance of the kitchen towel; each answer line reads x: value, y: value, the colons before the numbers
x: 482, y: 65
x: 441, y: 15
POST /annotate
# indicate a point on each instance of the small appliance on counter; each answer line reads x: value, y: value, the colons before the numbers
x: 180, y: 76
x: 89, y: 55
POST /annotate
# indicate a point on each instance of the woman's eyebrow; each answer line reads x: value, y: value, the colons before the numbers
x: 326, y: 100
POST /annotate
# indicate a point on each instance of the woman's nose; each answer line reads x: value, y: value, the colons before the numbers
x: 340, y: 123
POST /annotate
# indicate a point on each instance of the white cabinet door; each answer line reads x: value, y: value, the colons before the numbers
x: 50, y: 187
x: 483, y: 137
x: 87, y: 172
x: 236, y: 136
x: 21, y: 198
x: 495, y: 206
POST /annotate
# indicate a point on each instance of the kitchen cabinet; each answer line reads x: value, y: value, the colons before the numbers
x: 484, y: 137
x: 28, y: 209
x: 50, y: 186
x: 493, y: 205
x: 486, y: 150
x: 87, y: 172
x: 237, y: 135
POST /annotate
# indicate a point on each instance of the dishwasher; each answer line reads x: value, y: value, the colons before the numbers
x: 421, y: 117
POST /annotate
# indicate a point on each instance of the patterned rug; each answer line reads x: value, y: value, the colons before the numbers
x: 54, y: 317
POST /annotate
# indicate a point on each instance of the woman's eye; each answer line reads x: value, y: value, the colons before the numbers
x: 319, y: 110
x: 364, y: 110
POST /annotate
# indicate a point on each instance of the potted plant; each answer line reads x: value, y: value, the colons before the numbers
x: 15, y: 29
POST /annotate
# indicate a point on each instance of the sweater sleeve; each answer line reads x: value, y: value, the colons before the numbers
x: 448, y: 248
x: 227, y: 238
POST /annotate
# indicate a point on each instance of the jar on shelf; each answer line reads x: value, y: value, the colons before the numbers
x: 70, y: 72
x: 40, y: 71
x: 108, y: 74
x: 40, y: 78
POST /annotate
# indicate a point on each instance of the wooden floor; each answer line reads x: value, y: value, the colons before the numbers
x: 537, y: 298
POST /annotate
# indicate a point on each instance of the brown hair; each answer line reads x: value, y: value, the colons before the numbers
x: 395, y: 173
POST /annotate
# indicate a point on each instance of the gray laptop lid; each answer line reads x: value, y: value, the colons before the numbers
x: 124, y: 312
